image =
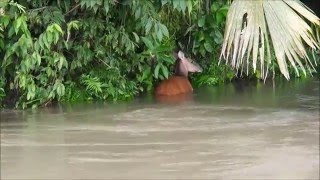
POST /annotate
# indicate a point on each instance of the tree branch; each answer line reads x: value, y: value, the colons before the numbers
x: 75, y: 7
x: 38, y: 9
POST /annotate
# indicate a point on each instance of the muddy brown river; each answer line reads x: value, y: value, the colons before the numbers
x: 235, y: 131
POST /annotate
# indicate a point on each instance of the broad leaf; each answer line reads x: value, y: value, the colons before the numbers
x: 253, y: 28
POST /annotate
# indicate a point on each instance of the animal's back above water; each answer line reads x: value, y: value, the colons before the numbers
x: 175, y: 85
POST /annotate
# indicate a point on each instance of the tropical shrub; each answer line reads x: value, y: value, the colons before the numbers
x: 99, y: 49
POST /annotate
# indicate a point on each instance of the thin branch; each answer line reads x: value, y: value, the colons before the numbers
x: 38, y: 9
x: 75, y: 7
x: 105, y: 63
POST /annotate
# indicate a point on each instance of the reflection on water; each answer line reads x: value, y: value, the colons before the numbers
x: 237, y: 131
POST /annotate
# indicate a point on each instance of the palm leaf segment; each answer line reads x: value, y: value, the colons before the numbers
x: 252, y: 25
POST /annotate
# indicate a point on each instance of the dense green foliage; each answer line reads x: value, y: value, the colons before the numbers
x: 102, y: 49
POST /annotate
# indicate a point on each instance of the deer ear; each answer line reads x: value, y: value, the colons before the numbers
x: 181, y: 55
x: 187, y: 63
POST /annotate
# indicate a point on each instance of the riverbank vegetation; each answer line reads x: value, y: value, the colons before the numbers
x: 105, y: 49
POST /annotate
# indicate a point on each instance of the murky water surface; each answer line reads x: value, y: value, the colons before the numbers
x: 237, y: 131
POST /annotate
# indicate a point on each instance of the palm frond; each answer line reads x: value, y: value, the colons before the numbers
x: 254, y: 28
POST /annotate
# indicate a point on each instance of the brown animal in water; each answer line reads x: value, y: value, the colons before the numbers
x: 177, y: 85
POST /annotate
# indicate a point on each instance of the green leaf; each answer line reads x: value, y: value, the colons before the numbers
x: 40, y: 41
x: 36, y: 56
x: 137, y: 13
x: 146, y: 73
x: 60, y: 89
x: 31, y: 91
x: 4, y: 20
x: 158, y: 32
x: 49, y: 37
x: 201, y: 21
x: 148, y: 43
x: 168, y: 59
x: 214, y: 7
x: 57, y: 16
x: 45, y: 41
x: 56, y: 38
x: 224, y: 10
x: 37, y: 46
x: 189, y: 6
x: 73, y: 24
x: 208, y: 47
x: 58, y: 28
x: 148, y: 26
x: 165, y: 71
x: 49, y: 71
x: 11, y: 31
x: 17, y: 24
x: 61, y: 61
x: 156, y: 71
x: 183, y: 5
x: 175, y: 4
x: 221, y: 14
x: 164, y: 2
x: 106, y: 6
x: 136, y: 36
x: 218, y: 37
x: 164, y: 30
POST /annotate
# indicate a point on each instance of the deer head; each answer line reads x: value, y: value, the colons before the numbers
x: 184, y: 65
